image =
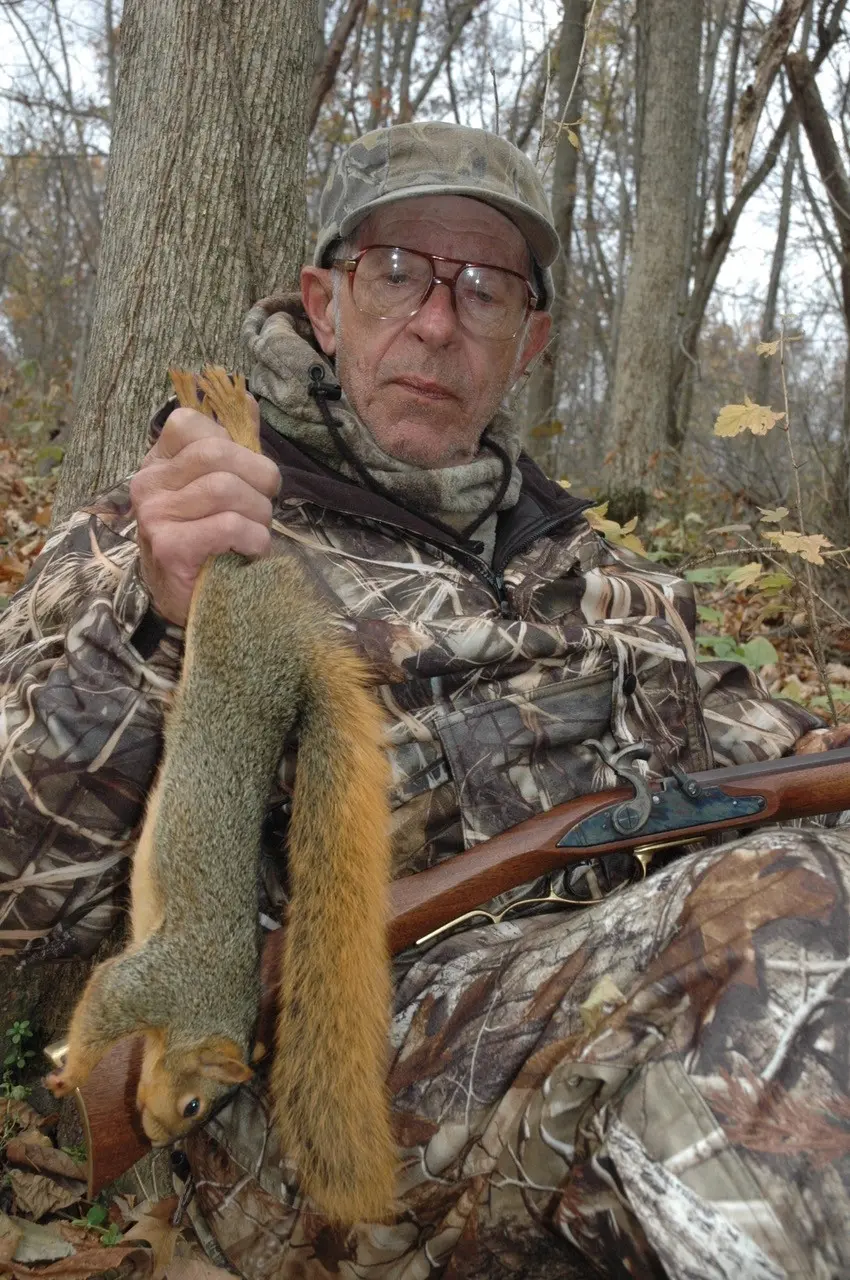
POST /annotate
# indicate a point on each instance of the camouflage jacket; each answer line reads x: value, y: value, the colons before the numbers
x: 494, y: 678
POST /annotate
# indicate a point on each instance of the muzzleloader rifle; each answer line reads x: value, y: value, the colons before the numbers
x: 638, y: 819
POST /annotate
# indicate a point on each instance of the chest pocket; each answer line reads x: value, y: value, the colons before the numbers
x: 517, y: 756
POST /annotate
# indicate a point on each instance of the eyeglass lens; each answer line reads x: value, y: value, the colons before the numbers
x: 390, y: 283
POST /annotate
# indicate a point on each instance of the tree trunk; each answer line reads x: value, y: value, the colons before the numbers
x: 766, y: 366
x: 649, y: 320
x: 717, y: 245
x: 325, y: 73
x: 544, y: 385
x: 816, y: 123
x: 204, y: 208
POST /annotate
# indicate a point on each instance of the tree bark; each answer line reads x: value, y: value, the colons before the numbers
x: 543, y: 388
x: 768, y: 323
x: 815, y: 121
x: 204, y: 208
x: 719, y: 240
x: 332, y: 56
x: 649, y: 320
x: 774, y: 46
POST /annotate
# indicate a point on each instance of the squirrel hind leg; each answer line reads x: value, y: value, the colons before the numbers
x: 107, y: 1011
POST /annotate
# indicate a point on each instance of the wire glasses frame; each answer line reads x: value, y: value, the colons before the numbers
x: 402, y: 308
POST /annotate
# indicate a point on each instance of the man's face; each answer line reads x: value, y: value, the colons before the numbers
x: 423, y: 385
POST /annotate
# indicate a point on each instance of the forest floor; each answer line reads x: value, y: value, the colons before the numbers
x: 47, y: 1226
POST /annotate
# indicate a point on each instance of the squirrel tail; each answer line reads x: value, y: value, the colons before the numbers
x: 329, y: 1069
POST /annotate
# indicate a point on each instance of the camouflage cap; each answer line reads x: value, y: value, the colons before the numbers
x: 430, y: 158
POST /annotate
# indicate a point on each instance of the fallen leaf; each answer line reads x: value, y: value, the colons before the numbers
x: 735, y: 418
x: 793, y: 689
x: 195, y: 1269
x: 808, y: 546
x: 135, y: 1264
x: 38, y: 1195
x: 80, y: 1237
x: 21, y: 1112
x: 153, y: 1223
x: 41, y: 1244
x: 125, y: 1206
x: 34, y: 1137
x: 772, y: 515
x: 43, y: 1158
x: 10, y: 1233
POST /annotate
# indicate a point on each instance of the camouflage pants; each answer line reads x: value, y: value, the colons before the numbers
x: 657, y: 1086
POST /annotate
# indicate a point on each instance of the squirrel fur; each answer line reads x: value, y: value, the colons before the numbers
x: 261, y: 660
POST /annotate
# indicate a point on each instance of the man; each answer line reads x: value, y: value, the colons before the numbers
x: 654, y: 1085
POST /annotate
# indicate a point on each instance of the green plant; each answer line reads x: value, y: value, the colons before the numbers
x: 17, y: 1059
x: 77, y: 1152
x: 94, y: 1221
x: 758, y: 652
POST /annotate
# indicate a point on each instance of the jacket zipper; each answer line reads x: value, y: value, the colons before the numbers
x: 493, y: 578
x: 546, y: 527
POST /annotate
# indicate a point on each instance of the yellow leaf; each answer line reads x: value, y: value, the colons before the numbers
x: 545, y: 430
x: 735, y: 418
x: 620, y: 535
x: 746, y: 575
x: 772, y: 515
x: 809, y: 546
x: 600, y: 524
x: 792, y: 689
x: 767, y: 348
x: 572, y: 138
x: 565, y: 484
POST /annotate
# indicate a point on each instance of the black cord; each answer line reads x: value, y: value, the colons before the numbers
x: 323, y: 391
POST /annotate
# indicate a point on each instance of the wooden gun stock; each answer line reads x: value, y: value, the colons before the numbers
x: 795, y: 787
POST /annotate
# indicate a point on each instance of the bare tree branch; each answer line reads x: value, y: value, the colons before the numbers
x: 325, y: 76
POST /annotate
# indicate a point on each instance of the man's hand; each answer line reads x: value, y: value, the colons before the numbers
x: 198, y: 494
x: 822, y: 740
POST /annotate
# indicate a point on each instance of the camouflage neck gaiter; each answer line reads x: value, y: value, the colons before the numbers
x: 282, y: 351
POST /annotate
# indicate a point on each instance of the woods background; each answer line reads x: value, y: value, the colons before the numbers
x: 161, y: 169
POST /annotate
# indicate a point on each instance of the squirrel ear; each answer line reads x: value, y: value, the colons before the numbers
x: 225, y: 1064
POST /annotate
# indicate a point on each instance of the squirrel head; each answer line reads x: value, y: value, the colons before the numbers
x: 178, y: 1087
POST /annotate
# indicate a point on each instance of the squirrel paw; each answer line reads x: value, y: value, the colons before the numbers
x: 60, y: 1083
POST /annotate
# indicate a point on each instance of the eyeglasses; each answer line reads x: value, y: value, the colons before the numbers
x: 389, y: 283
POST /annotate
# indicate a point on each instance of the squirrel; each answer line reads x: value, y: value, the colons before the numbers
x: 261, y: 660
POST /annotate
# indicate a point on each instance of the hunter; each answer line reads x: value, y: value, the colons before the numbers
x: 655, y: 1084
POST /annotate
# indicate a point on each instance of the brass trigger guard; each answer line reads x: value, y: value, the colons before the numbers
x: 642, y: 857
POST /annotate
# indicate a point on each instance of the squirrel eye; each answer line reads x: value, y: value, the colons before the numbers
x: 192, y: 1108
